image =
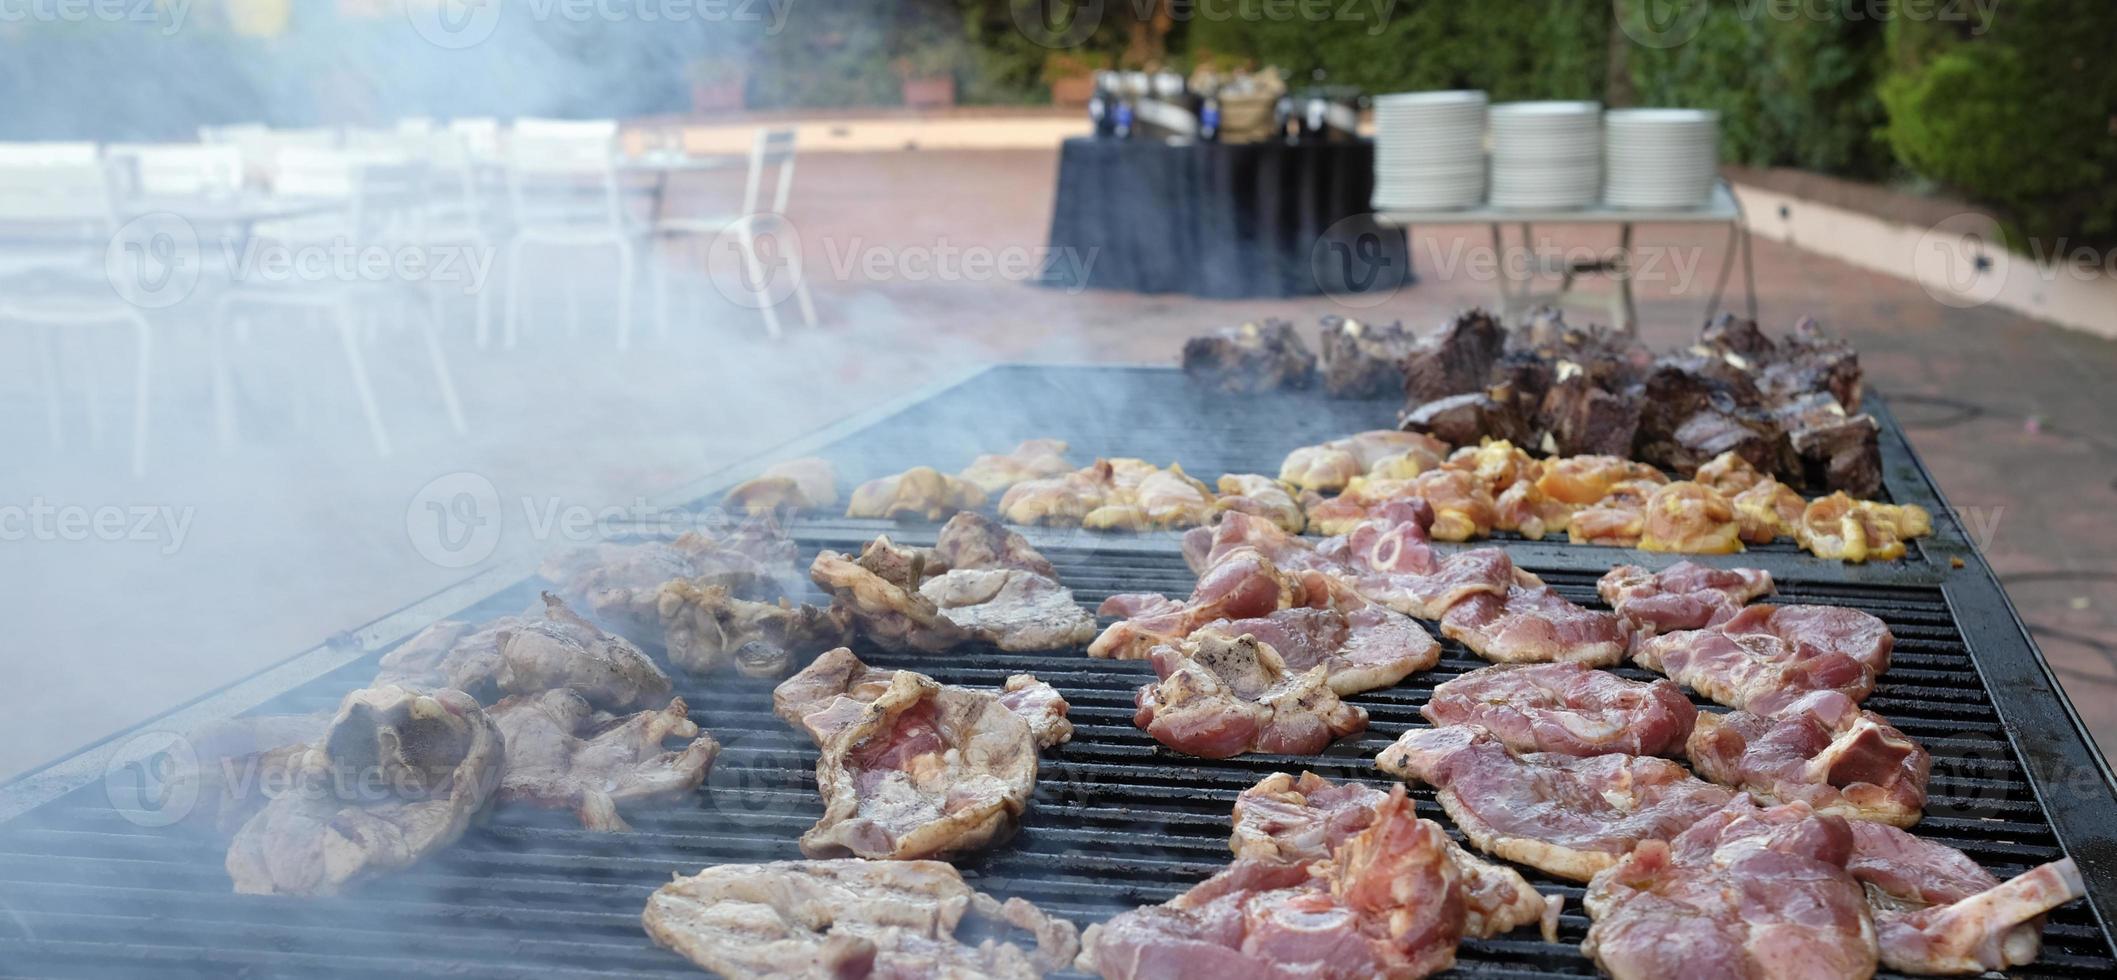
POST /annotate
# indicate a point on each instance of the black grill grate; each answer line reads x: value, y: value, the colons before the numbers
x: 1117, y: 821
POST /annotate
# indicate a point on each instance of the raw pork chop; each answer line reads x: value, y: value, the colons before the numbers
x: 1766, y: 657
x: 1566, y: 708
x: 1534, y: 625
x: 1683, y: 596
x: 1219, y: 698
x: 835, y: 690
x: 1936, y: 911
x: 1822, y: 750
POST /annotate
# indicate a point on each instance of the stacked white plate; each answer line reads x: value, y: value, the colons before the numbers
x: 1660, y: 158
x: 1429, y: 151
x: 1546, y: 155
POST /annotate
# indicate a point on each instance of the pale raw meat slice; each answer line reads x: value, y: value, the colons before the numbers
x: 1822, y: 750
x: 1744, y: 892
x: 1243, y: 585
x: 1218, y: 698
x: 1744, y: 663
x: 1833, y: 630
x: 1033, y: 459
x: 1362, y: 650
x: 1388, y: 903
x: 1260, y: 496
x: 848, y: 918
x: 1534, y: 625
x: 562, y: 753
x: 529, y: 655
x: 972, y: 540
x: 1011, y: 609
x: 1567, y: 708
x: 1571, y: 816
x: 833, y: 693
x: 1683, y: 596
x: 1936, y: 911
x: 1298, y: 821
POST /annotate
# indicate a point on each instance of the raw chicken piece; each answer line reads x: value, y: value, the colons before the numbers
x: 398, y: 776
x: 563, y: 753
x: 920, y: 493
x: 880, y: 590
x: 1585, y: 480
x: 529, y: 655
x: 1219, y: 698
x: 926, y: 770
x: 1329, y: 466
x: 705, y: 629
x: 1261, y: 496
x: 1729, y: 474
x: 1567, y: 708
x: 1821, y: 750
x: 1060, y: 500
x: 1768, y: 511
x: 1034, y: 459
x: 1462, y: 507
x: 834, y: 693
x: 849, y: 918
x: 1388, y: 903
x: 1299, y: 821
x: 1838, y: 526
x: 1745, y: 892
x: 1937, y: 912
x: 1683, y: 596
x: 1534, y: 625
x: 1691, y: 519
x: 1571, y: 816
x: 810, y: 483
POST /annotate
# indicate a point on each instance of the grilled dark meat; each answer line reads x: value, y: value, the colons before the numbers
x: 1250, y: 358
x: 1466, y: 418
x: 1585, y: 420
x: 1455, y: 359
x: 1363, y: 360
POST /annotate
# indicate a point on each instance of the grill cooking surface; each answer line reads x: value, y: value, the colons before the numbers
x: 1117, y: 821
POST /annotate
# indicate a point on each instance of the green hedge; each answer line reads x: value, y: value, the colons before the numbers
x: 2022, y: 117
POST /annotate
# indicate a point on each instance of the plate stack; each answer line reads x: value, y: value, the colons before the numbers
x: 1546, y: 155
x: 1660, y: 158
x: 1429, y: 151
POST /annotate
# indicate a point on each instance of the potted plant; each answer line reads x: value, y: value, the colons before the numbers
x: 927, y: 69
x: 1071, y: 76
x: 717, y: 85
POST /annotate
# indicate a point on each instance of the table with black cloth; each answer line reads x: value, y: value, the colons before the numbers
x: 1226, y: 221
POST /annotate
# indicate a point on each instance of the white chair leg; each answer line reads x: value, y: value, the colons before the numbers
x: 626, y: 272
x: 513, y: 313
x: 432, y: 333
x: 759, y: 288
x: 349, y: 338
x: 91, y: 388
x: 139, y: 394
x: 483, y: 297
x: 801, y: 289
x: 223, y: 394
x: 48, y: 367
x: 658, y: 271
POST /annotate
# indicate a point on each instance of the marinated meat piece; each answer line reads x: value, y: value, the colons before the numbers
x: 1496, y: 465
x: 1237, y: 531
x: 1058, y: 500
x: 1811, y: 362
x: 1937, y: 912
x: 1261, y: 496
x: 1585, y: 480
x: 398, y: 776
x: 1219, y: 698
x: 1582, y: 419
x: 1457, y: 358
x: 1534, y: 625
x: 1010, y: 608
x: 1744, y: 893
x: 1362, y: 648
x: 1329, y: 466
x: 1768, y: 510
x: 919, y: 493
x: 1392, y: 564
x: 1241, y: 585
x: 1362, y: 360
x: 1162, y: 498
x: 1683, y: 596
x: 1251, y: 358
x: 1692, y: 519
x: 848, y: 918
x: 1290, y: 821
x: 975, y: 541
x: 1570, y: 816
x: 706, y: 629
x: 621, y: 584
x: 1523, y: 509
x: 1821, y: 750
x: 796, y: 485
x: 525, y: 655
x: 1844, y: 455
x: 1729, y: 474
x: 1566, y: 708
x: 563, y: 753
x: 1466, y: 418
x: 834, y: 692
x: 1767, y: 657
x: 1388, y: 903
x: 1729, y: 334
x: 238, y: 763
x: 886, y: 604
x: 927, y: 770
x: 1462, y: 507
x: 1619, y: 519
x: 1838, y: 526
x: 1034, y: 459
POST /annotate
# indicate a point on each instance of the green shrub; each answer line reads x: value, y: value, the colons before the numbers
x: 2018, y: 118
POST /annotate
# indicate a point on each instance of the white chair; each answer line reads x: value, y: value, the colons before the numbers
x: 455, y: 215
x: 772, y: 149
x: 562, y: 183
x: 376, y: 203
x: 56, y: 199
x: 481, y: 136
x: 147, y: 170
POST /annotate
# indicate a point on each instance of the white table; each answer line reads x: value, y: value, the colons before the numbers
x: 1515, y: 294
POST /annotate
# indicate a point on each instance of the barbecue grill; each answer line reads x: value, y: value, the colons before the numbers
x: 1118, y: 821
